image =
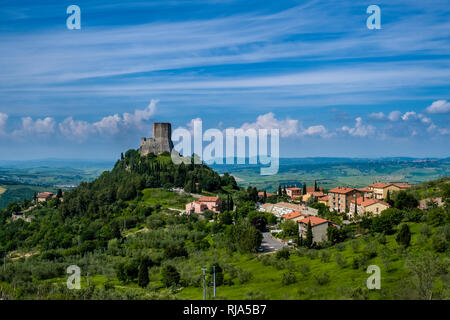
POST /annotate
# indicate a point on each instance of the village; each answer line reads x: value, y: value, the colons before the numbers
x: 351, y: 203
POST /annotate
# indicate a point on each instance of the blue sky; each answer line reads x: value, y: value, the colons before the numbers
x: 311, y: 68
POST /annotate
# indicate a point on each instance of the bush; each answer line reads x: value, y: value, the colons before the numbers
x: 322, y: 279
x: 244, y: 276
x: 304, y: 269
x: 312, y: 253
x: 340, y: 260
x: 371, y: 249
x: 341, y: 246
x: 355, y: 245
x: 325, y: 255
x: 288, y: 278
x: 283, y: 254
x: 170, y: 276
x: 301, y: 251
x: 256, y: 295
x: 425, y: 230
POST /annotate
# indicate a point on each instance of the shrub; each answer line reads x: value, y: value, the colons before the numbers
x: 355, y: 245
x: 244, y: 276
x: 425, y: 230
x: 371, y: 249
x: 301, y: 251
x: 341, y: 246
x: 170, y: 276
x: 312, y: 253
x: 325, y: 255
x: 255, y: 295
x: 304, y: 269
x: 340, y: 260
x: 322, y: 279
x: 288, y: 278
x: 283, y: 254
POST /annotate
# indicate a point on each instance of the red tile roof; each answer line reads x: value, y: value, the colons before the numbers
x: 208, y: 199
x: 294, y: 188
x: 324, y: 198
x: 342, y: 190
x: 381, y: 185
x: 367, y: 202
x: 293, y: 214
x: 314, y: 220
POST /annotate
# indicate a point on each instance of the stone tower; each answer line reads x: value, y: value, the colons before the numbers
x: 160, y: 142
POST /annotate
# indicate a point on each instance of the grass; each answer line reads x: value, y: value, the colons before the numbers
x: 267, y: 279
x: 167, y: 199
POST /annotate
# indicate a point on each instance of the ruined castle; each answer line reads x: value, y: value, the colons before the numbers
x: 160, y: 142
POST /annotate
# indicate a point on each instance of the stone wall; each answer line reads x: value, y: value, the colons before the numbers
x: 160, y: 142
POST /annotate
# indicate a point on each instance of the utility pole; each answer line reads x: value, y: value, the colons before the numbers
x: 214, y: 280
x: 204, y: 285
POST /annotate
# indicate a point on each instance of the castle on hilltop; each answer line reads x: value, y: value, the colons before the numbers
x: 160, y: 142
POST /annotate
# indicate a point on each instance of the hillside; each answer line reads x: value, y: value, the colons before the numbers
x: 124, y: 230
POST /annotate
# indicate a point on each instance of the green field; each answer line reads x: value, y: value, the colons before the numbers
x: 167, y: 199
x: 330, y: 173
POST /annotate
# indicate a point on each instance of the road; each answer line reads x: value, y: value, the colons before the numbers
x: 270, y: 244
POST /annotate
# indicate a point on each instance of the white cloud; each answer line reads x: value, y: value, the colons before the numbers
x: 109, y: 125
x: 75, y: 130
x: 3, y: 119
x: 444, y: 131
x: 439, y: 106
x: 360, y: 130
x: 377, y: 115
x: 318, y: 130
x: 409, y: 115
x: 287, y: 127
x: 30, y: 127
x: 394, y: 115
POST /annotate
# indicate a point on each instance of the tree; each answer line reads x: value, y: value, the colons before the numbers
x: 170, y: 276
x: 290, y: 228
x: 304, y: 189
x: 425, y: 268
x: 59, y: 194
x: 309, y: 236
x: 388, y: 198
x: 246, y: 237
x: 404, y: 200
x: 265, y: 196
x: 404, y: 235
x: 143, y: 279
x: 315, y: 186
x: 279, y: 190
x: 219, y: 273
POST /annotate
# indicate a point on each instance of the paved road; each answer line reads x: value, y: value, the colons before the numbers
x: 270, y: 244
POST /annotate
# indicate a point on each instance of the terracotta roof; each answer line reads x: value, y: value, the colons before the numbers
x: 368, y: 202
x: 293, y: 214
x: 342, y: 190
x: 44, y: 194
x: 365, y: 189
x: 317, y: 194
x: 289, y: 205
x: 381, y: 185
x: 324, y: 198
x: 208, y: 199
x: 293, y: 188
x: 314, y: 220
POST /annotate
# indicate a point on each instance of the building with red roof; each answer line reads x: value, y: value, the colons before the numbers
x: 339, y: 198
x: 319, y: 227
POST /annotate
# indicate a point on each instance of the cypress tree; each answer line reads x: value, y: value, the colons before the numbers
x: 304, y: 189
x: 143, y: 279
x: 404, y: 236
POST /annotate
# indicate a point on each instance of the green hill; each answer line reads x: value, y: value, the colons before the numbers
x: 125, y: 232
